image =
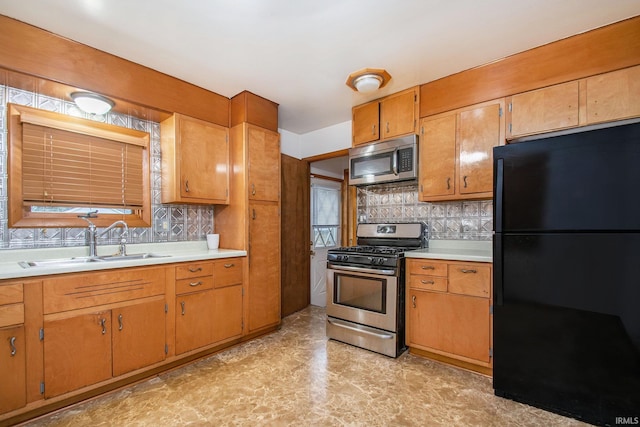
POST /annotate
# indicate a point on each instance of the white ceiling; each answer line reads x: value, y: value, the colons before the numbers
x: 299, y: 53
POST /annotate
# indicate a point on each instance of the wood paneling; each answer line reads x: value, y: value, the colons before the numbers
x: 605, y: 49
x: 295, y: 235
x: 33, y: 51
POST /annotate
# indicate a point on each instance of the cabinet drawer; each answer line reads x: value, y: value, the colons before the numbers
x: 11, y: 314
x: 227, y: 272
x: 184, y: 286
x: 10, y: 294
x: 429, y: 267
x: 105, y: 287
x: 430, y: 283
x: 195, y: 269
x: 470, y: 279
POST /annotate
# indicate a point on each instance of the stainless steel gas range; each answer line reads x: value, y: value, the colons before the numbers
x: 365, y: 286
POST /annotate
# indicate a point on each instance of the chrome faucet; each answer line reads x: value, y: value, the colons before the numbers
x: 122, y: 250
x: 91, y: 235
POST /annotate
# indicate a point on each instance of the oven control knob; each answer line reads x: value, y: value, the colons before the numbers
x: 343, y: 257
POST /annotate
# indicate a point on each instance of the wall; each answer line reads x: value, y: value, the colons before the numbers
x: 183, y: 222
x: 465, y: 220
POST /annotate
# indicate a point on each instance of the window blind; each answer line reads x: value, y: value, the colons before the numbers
x: 63, y: 168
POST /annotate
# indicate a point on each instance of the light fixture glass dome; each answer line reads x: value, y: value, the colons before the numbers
x: 92, y: 103
x: 367, y: 83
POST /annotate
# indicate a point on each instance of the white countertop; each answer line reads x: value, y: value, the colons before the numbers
x: 178, y: 251
x: 455, y: 250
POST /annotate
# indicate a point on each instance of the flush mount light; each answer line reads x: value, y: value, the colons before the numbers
x: 92, y: 103
x: 368, y: 80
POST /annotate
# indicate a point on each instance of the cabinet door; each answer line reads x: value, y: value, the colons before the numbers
x: 365, y: 124
x: 77, y: 352
x: 227, y: 314
x: 12, y: 369
x: 437, y: 157
x: 264, y: 164
x: 544, y: 110
x: 398, y: 114
x: 138, y: 336
x: 455, y: 324
x: 264, y: 265
x: 194, y: 320
x: 204, y: 160
x: 613, y: 96
x: 478, y: 132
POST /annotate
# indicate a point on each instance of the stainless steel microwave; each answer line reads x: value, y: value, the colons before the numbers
x: 394, y: 160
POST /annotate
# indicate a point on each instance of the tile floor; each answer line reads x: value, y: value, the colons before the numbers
x: 295, y: 376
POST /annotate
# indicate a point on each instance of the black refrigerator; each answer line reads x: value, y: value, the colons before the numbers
x: 566, y: 326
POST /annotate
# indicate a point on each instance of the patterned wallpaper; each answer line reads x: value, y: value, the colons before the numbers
x: 169, y: 222
x: 466, y: 220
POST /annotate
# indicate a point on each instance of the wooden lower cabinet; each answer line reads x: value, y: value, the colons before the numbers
x: 227, y: 313
x: 194, y: 320
x: 138, y: 336
x: 77, y: 352
x: 448, y: 311
x: 12, y: 368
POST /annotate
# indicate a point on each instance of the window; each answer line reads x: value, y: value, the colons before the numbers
x: 60, y: 166
x: 325, y: 213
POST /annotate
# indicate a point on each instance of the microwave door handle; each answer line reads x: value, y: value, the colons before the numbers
x: 395, y: 162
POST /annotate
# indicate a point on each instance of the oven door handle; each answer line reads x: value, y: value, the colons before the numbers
x: 362, y: 270
x: 345, y: 325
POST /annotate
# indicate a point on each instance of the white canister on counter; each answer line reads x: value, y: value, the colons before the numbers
x: 213, y: 241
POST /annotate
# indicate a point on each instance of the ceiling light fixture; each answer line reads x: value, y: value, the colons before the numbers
x: 92, y: 103
x: 368, y: 80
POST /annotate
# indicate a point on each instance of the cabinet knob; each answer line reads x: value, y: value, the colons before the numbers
x: 253, y: 189
x: 182, y: 305
x: 449, y: 183
x: 186, y: 186
x: 373, y: 129
x: 465, y: 181
x: 120, y: 322
x: 103, y: 323
x: 413, y: 301
x: 12, y: 345
x: 387, y: 127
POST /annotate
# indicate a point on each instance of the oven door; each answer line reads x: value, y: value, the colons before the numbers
x: 363, y: 295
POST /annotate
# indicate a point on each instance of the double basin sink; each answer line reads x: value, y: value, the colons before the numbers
x: 65, y: 262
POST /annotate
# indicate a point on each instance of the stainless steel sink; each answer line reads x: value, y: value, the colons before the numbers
x: 66, y: 262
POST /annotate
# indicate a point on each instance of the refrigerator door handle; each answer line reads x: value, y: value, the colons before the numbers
x: 498, y: 290
x: 497, y: 194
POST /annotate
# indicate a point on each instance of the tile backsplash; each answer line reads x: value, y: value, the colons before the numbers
x: 465, y: 220
x: 169, y: 222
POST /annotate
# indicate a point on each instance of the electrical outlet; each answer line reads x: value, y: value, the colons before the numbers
x: 165, y: 225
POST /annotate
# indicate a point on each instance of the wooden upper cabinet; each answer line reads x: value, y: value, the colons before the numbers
x: 386, y: 118
x: 456, y: 152
x: 366, y: 123
x: 264, y: 164
x: 254, y: 109
x: 438, y: 156
x: 613, y: 96
x: 479, y: 130
x: 399, y: 114
x: 543, y: 110
x: 195, y: 161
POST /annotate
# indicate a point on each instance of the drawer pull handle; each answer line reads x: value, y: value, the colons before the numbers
x: 103, y: 323
x: 428, y: 267
x: 194, y: 270
x: 428, y: 282
x: 12, y: 344
x: 229, y: 265
x: 464, y: 270
x: 182, y: 305
x: 120, y: 322
x: 413, y: 301
x: 198, y: 283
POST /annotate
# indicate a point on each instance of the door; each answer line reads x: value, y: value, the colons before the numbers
x: 295, y: 224
x: 325, y: 233
x: 138, y: 336
x: 194, y: 321
x: 77, y: 352
x: 438, y: 156
x: 264, y: 159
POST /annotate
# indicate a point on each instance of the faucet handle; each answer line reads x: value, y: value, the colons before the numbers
x: 90, y: 214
